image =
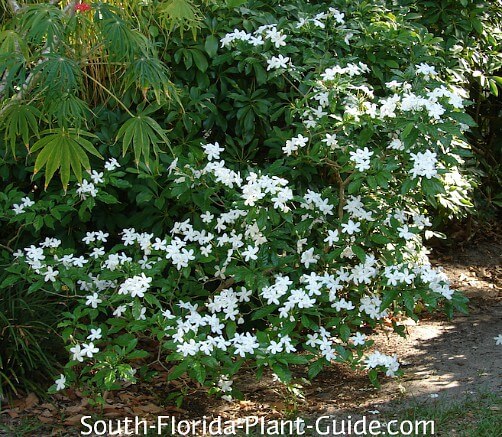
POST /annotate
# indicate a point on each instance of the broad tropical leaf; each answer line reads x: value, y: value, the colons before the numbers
x: 149, y: 74
x: 180, y: 13
x: 42, y: 22
x: 64, y: 149
x: 20, y: 120
x: 58, y: 74
x: 143, y: 133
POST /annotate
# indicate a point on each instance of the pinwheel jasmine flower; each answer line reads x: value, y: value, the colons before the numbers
x: 424, y: 164
x: 95, y: 334
x: 250, y: 253
x: 332, y: 237
x: 50, y: 274
x: 277, y: 62
x: 96, y: 177
x: 308, y: 258
x: 358, y: 339
x: 89, y: 350
x: 111, y: 164
x: 77, y: 354
x: 60, y: 382
x: 351, y: 227
x: 361, y: 157
x: 93, y: 300
x: 212, y: 151
x: 276, y: 37
x: 330, y: 140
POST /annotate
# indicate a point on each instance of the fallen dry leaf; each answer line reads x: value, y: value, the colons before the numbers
x: 73, y: 420
x: 13, y: 413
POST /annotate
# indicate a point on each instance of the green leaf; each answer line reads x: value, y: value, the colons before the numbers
x: 359, y: 252
x: 20, y: 120
x: 143, y: 133
x: 211, y: 45
x: 388, y: 297
x: 178, y: 370
x: 316, y: 367
x: 199, y: 59
x: 283, y: 373
x: 182, y: 14
x: 63, y: 149
x: 344, y: 332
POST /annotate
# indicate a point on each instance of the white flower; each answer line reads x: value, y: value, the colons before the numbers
x: 89, y: 349
x: 351, y: 227
x: 97, y: 252
x: 95, y: 334
x: 18, y: 209
x: 330, y: 140
x: 50, y: 274
x: 498, y: 339
x: 250, y: 253
x: 358, y: 339
x: 96, y: 177
x: 424, y: 164
x: 308, y: 258
x: 111, y: 164
x: 425, y: 70
x: 77, y: 353
x: 27, y: 202
x: 277, y: 62
x: 212, y: 151
x: 276, y: 37
x: 207, y: 217
x: 361, y: 157
x: 121, y: 309
x: 332, y: 237
x: 93, y: 300
x: 60, y: 382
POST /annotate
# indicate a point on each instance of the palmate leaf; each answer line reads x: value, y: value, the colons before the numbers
x: 12, y: 42
x: 20, y: 120
x: 67, y: 110
x: 181, y: 13
x: 121, y: 41
x: 58, y: 74
x: 149, y: 73
x: 64, y: 149
x: 42, y: 23
x: 143, y: 133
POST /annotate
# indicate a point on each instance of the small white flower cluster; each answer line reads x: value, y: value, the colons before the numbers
x: 136, y: 286
x: 86, y: 350
x: 350, y: 69
x: 86, y: 188
x: 377, y: 359
x: 225, y: 385
x: 318, y: 19
x: 257, y: 38
x: 257, y: 187
x: 323, y: 341
x: 361, y: 158
x: 371, y: 306
x: 276, y: 62
x: 424, y: 164
x: 26, y: 202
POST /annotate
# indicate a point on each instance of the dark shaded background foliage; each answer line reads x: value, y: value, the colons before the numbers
x: 235, y: 103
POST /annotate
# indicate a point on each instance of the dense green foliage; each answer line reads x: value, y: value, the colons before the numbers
x: 143, y: 86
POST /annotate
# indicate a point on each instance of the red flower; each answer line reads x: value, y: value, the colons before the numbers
x: 82, y: 7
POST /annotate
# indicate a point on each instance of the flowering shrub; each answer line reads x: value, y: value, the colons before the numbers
x: 287, y: 261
